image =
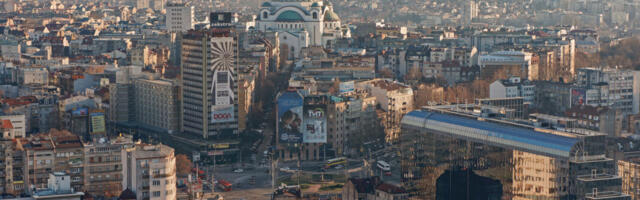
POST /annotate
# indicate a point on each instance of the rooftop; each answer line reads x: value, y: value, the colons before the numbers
x: 503, y: 134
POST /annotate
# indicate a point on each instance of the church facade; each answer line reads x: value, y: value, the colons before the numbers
x: 301, y: 23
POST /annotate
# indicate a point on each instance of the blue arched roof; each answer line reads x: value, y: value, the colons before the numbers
x: 512, y: 137
x: 289, y: 16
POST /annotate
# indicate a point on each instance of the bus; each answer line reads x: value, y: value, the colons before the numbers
x: 385, y: 167
x: 335, y: 162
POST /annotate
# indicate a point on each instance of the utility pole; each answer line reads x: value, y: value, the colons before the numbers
x: 274, y: 167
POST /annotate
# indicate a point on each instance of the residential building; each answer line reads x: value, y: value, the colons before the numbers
x: 372, y: 188
x: 150, y: 171
x: 513, y: 87
x: 33, y: 76
x: 40, y: 160
x: 602, y: 119
x: 523, y: 64
x: 19, y: 124
x: 360, y: 188
x: 246, y: 91
x: 394, y: 99
x: 386, y: 191
x: 10, y: 50
x: 617, y: 88
x: 629, y: 170
x: 180, y: 17
x: 58, y: 188
x: 552, y: 97
x: 103, y: 164
x: 6, y: 166
x: 69, y: 159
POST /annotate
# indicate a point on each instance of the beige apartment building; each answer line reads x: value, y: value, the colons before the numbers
x: 149, y: 171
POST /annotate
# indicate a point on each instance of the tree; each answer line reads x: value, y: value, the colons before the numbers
x: 183, y: 164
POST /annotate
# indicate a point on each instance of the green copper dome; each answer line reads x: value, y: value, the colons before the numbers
x: 266, y: 4
x: 315, y: 4
x: 289, y: 16
x: 331, y: 16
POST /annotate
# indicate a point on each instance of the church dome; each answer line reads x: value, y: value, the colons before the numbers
x: 315, y: 4
x: 289, y: 16
x: 331, y: 16
x: 266, y: 4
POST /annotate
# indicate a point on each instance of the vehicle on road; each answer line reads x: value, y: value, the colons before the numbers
x: 385, y: 167
x: 238, y: 170
x: 224, y: 185
x: 335, y: 161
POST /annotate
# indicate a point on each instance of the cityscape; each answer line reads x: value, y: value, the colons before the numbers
x: 320, y: 99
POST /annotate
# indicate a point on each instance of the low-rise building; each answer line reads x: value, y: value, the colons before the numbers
x: 513, y: 87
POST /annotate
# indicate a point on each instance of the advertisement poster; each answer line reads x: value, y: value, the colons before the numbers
x: 578, y: 97
x: 315, y: 124
x: 348, y: 86
x: 222, y: 113
x: 80, y: 111
x: 290, y: 117
x: 97, y: 123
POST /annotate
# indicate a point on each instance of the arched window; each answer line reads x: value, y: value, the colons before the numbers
x: 265, y: 15
x: 315, y: 15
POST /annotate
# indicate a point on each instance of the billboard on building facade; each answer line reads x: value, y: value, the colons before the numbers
x: 79, y: 111
x: 97, y: 122
x: 222, y: 113
x: 223, y: 64
x: 315, y: 123
x: 290, y: 117
x: 348, y: 86
x: 578, y: 97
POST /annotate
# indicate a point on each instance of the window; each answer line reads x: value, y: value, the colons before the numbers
x: 265, y: 15
x: 156, y: 182
x: 156, y: 193
x: 315, y: 15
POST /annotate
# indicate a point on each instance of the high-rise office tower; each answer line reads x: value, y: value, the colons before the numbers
x: 209, y: 79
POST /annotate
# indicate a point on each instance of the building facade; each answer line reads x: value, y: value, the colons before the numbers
x: 301, y: 23
x: 180, y: 17
x: 441, y: 149
x: 617, y: 88
x: 150, y: 171
x: 209, y: 79
x: 513, y: 87
x: 157, y: 104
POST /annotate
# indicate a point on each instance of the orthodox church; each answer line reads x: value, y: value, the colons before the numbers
x: 301, y: 23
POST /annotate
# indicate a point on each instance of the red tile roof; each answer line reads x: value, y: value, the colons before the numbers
x: 6, y: 124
